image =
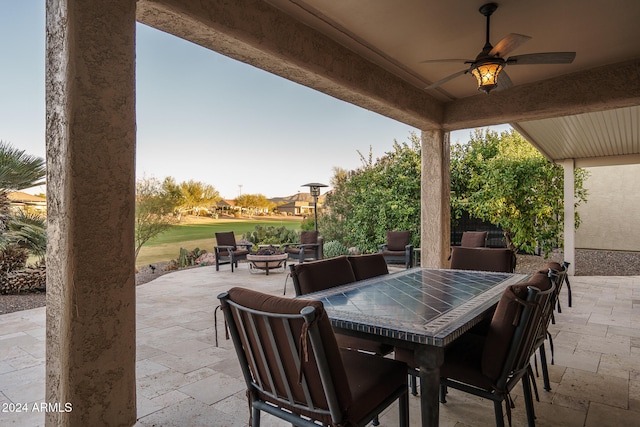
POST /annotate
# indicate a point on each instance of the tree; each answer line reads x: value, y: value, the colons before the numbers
x: 155, y: 207
x: 18, y: 170
x: 504, y: 180
x: 20, y: 234
x: 254, y: 202
x: 382, y: 195
x: 196, y: 196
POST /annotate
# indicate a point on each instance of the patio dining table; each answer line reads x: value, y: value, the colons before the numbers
x: 420, y: 309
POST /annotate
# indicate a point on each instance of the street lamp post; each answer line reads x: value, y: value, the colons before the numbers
x: 314, y: 189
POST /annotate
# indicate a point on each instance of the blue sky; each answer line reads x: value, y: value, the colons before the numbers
x: 201, y: 115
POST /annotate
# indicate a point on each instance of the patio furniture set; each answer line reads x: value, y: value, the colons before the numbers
x: 473, y: 327
x: 268, y: 257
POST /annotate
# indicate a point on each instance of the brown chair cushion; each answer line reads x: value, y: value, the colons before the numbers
x: 273, y: 304
x: 323, y: 274
x: 540, y: 280
x: 367, y: 266
x: 397, y: 240
x: 474, y: 239
x: 240, y: 252
x: 482, y: 259
x: 463, y: 360
x: 371, y: 380
x: 554, y: 266
x: 226, y: 238
x: 501, y: 329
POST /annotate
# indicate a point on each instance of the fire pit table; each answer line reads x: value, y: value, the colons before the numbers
x: 267, y: 262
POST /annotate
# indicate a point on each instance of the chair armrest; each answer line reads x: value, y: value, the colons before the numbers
x: 382, y: 247
x: 247, y: 246
x: 286, y: 245
x: 308, y: 245
x: 217, y: 248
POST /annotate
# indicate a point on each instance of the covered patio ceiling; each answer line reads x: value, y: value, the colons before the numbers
x: 371, y: 52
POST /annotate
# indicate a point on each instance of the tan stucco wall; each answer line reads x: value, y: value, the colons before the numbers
x: 91, y: 134
x: 611, y: 216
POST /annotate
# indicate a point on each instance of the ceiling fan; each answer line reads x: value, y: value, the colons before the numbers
x: 490, y: 62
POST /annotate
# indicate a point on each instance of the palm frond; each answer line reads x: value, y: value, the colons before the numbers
x: 19, y: 170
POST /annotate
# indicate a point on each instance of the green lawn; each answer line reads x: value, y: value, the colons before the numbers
x: 201, y: 234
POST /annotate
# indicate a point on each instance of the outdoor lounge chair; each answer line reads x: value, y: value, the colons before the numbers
x: 295, y: 371
x: 309, y: 248
x: 398, y: 248
x: 227, y: 251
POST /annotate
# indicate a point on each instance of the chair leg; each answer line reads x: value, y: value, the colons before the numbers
x: 255, y: 416
x: 403, y: 403
x: 413, y: 382
x: 443, y: 393
x: 528, y: 401
x: 545, y: 369
x: 566, y: 279
x: 497, y: 409
x: 375, y: 421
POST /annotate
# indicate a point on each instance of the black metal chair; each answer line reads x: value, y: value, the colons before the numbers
x: 308, y: 249
x: 491, y: 365
x: 398, y: 249
x: 319, y: 275
x: 295, y: 371
x: 558, y: 274
x: 368, y: 265
x: 227, y: 250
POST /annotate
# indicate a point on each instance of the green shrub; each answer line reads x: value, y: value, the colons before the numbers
x: 271, y: 235
x: 334, y: 248
x: 188, y: 258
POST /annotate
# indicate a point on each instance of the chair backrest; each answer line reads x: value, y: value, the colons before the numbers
x: 483, y: 259
x: 514, y: 329
x: 226, y: 238
x: 474, y: 239
x: 308, y: 237
x: 398, y: 240
x: 288, y: 353
x: 368, y: 266
x: 560, y: 273
x: 322, y: 274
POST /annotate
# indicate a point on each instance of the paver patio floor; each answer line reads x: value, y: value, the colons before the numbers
x: 184, y: 379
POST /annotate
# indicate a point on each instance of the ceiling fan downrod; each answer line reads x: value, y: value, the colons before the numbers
x: 487, y: 10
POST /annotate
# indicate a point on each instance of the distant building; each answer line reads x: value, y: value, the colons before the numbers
x: 27, y: 203
x: 299, y: 204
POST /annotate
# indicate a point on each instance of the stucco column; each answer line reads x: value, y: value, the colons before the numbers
x: 569, y: 215
x: 435, y: 199
x: 90, y: 100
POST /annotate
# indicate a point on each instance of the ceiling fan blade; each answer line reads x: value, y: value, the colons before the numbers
x: 446, y: 60
x: 446, y: 79
x: 504, y: 81
x: 542, y: 58
x: 507, y: 44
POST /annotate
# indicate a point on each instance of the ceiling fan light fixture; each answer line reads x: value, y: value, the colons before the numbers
x: 487, y: 73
